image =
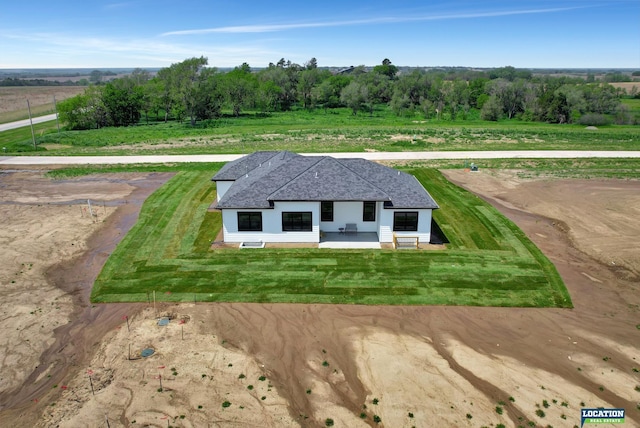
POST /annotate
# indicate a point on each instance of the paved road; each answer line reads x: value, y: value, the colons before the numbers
x: 22, y: 123
x: 469, y: 155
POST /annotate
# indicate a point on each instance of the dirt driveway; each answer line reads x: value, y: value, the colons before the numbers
x: 65, y: 362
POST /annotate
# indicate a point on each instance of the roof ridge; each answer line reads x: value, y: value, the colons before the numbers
x: 320, y: 159
x: 363, y: 178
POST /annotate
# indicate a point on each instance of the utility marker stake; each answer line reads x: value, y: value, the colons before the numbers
x: 91, y: 383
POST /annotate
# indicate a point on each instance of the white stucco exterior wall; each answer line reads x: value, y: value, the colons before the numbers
x: 272, y: 224
x: 385, y: 233
x: 221, y: 188
x: 350, y: 212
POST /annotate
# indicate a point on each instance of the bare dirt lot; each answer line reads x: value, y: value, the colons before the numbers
x: 67, y: 363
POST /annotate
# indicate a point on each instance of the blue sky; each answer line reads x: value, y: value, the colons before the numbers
x: 157, y: 33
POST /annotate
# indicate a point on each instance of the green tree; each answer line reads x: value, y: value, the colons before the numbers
x: 182, y: 80
x: 307, y: 80
x: 210, y: 95
x: 354, y: 96
x: 492, y: 109
x: 240, y: 87
x: 386, y: 69
x: 84, y: 111
x: 122, y: 100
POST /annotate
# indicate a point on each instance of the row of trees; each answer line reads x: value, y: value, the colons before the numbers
x: 192, y: 90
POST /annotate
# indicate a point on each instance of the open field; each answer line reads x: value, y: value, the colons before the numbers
x: 407, y: 365
x: 13, y: 100
x: 488, y: 263
x: 337, y: 131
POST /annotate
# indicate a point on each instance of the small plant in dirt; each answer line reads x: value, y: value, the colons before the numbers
x: 262, y: 378
x: 582, y: 404
x: 325, y: 363
x: 545, y: 404
x: 241, y: 376
x: 564, y: 404
x: 226, y: 404
x: 605, y: 358
x: 540, y: 413
x: 411, y: 415
x: 363, y: 415
x: 513, y: 400
x: 308, y: 391
x: 377, y: 419
x: 500, y: 426
x: 203, y: 376
x: 601, y: 388
x: 638, y: 388
x: 250, y: 387
x: 499, y: 410
x: 563, y: 416
x: 200, y: 406
x: 264, y: 397
x: 635, y: 370
x: 469, y: 416
x: 375, y: 401
x: 531, y: 424
x: 328, y: 422
x: 159, y: 389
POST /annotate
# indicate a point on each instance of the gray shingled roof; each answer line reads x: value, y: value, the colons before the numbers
x: 265, y: 177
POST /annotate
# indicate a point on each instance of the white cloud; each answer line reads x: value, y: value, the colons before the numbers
x: 383, y: 20
x: 152, y: 52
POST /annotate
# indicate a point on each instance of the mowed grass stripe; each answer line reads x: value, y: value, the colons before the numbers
x: 489, y: 262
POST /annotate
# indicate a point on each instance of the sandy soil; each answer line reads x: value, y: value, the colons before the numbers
x: 298, y: 365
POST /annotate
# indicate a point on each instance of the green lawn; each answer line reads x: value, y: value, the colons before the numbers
x: 488, y: 263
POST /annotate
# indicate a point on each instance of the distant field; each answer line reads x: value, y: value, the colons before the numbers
x: 13, y: 100
x: 490, y: 262
x: 627, y: 86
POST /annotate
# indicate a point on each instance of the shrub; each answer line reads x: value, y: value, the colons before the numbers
x: 499, y: 410
x: 376, y: 419
x: 226, y: 404
x: 328, y: 422
x: 594, y: 119
x: 540, y: 413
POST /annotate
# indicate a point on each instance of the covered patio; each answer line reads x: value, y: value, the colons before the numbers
x: 349, y: 240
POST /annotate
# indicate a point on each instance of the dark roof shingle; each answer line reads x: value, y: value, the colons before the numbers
x: 265, y: 177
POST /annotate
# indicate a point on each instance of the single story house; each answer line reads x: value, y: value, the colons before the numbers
x: 273, y: 196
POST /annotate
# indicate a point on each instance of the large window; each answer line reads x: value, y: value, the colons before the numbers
x: 405, y: 221
x: 369, y: 211
x: 326, y: 211
x: 296, y: 222
x: 249, y: 222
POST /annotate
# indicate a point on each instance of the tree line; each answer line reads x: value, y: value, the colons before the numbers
x: 190, y: 90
